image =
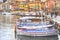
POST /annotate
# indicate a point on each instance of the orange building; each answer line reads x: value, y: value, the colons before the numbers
x: 50, y: 5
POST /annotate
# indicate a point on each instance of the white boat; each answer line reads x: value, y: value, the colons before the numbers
x: 31, y: 26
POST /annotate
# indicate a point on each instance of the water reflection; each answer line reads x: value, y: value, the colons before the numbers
x: 37, y: 38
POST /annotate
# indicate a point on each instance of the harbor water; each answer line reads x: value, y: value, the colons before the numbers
x: 20, y: 37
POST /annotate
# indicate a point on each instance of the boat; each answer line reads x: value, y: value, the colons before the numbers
x: 35, y: 26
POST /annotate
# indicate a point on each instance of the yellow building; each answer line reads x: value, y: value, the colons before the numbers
x: 31, y: 4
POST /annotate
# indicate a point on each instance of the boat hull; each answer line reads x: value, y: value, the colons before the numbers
x: 37, y: 33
